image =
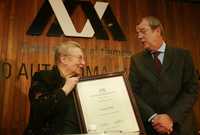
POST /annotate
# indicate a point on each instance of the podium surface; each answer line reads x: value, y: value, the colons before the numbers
x: 110, y: 133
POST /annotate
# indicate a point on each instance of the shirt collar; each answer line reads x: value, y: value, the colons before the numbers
x: 162, y: 48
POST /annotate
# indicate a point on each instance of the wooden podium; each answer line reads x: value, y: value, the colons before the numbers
x: 111, y: 133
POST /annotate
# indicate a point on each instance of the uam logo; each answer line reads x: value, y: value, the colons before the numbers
x: 99, y: 19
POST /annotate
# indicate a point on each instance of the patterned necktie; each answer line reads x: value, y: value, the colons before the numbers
x: 157, y: 62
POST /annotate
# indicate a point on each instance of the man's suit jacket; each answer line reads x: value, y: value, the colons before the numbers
x: 173, y: 91
x: 51, y: 111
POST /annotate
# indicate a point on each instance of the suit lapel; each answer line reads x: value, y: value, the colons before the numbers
x: 149, y: 63
x: 168, y: 58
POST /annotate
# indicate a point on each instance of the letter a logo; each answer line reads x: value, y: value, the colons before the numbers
x: 99, y: 17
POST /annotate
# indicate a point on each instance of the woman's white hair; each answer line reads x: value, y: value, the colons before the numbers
x: 63, y: 49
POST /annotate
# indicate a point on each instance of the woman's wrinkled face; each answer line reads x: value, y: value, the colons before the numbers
x: 75, y: 61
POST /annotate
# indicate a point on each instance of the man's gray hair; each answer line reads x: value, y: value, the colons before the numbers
x: 63, y: 49
x: 155, y: 23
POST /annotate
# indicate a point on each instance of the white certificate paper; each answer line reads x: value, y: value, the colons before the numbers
x: 106, y: 105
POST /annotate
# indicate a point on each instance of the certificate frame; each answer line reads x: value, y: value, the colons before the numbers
x: 99, y: 109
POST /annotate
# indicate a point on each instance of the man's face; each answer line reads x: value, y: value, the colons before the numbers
x: 74, y: 62
x: 146, y: 35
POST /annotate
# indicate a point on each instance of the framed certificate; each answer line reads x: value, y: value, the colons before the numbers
x: 106, y: 104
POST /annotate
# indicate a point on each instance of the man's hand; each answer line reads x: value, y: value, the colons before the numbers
x: 70, y: 84
x: 162, y: 123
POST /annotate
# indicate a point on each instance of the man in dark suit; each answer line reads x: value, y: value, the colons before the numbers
x: 51, y: 98
x: 164, y: 81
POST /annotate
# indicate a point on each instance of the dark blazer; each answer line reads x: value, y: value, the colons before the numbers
x: 51, y: 111
x: 173, y: 91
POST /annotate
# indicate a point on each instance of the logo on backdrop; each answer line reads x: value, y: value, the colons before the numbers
x: 100, y: 22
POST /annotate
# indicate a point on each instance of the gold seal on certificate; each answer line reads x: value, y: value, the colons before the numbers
x: 106, y: 104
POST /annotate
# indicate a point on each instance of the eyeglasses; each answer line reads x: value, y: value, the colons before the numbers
x: 80, y: 57
x: 142, y: 30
